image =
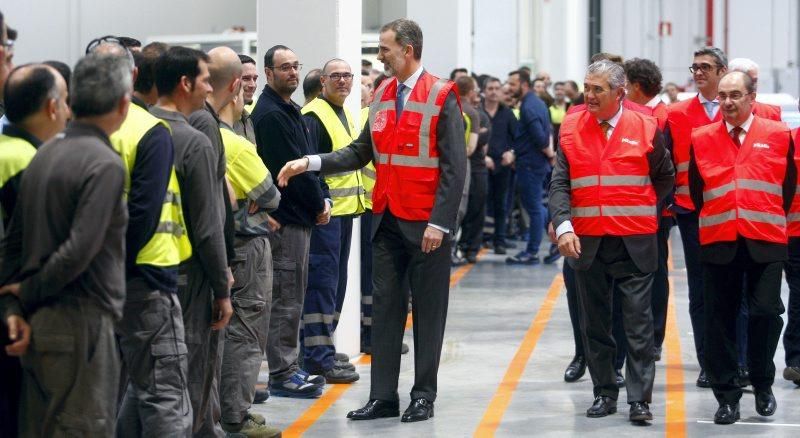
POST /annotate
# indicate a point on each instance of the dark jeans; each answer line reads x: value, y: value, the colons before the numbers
x: 472, y: 225
x: 530, y: 184
x: 723, y: 289
x: 791, y: 336
x: 499, y: 186
x: 690, y: 237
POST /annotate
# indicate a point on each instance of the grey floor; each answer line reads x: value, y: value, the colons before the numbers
x: 491, y: 310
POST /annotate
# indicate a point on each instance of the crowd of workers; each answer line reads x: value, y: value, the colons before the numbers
x: 165, y: 228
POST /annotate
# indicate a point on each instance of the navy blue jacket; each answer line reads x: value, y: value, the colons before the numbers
x: 532, y: 134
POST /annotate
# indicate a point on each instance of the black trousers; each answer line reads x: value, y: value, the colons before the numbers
x: 472, y: 225
x: 723, y: 288
x: 500, y: 183
x: 690, y: 237
x: 396, y: 258
x: 791, y: 336
x: 613, y: 267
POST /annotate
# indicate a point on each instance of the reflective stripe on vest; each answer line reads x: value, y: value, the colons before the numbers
x: 611, y: 190
x: 405, y: 154
x: 346, y: 188
x: 743, y: 186
x: 682, y: 117
x: 170, y: 243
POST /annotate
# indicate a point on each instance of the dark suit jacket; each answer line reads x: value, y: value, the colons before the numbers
x: 760, y: 251
x: 452, y: 166
x: 642, y: 248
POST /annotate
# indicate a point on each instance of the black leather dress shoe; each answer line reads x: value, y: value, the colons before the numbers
x: 620, y: 379
x: 602, y: 407
x: 576, y: 369
x: 765, y: 403
x: 727, y: 414
x: 702, y: 380
x: 640, y: 411
x: 418, y: 410
x: 375, y: 409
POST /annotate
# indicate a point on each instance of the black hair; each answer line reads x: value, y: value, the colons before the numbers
x: 312, y: 86
x: 174, y: 64
x: 456, y: 71
x: 146, y: 63
x: 62, y: 69
x: 244, y: 59
x: 128, y: 42
x: 27, y: 95
x: 645, y: 73
x: 269, y: 57
x: 524, y: 76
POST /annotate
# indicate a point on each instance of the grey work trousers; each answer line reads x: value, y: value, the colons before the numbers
x: 204, y: 346
x: 290, y: 245
x: 151, y: 339
x: 246, y: 335
x: 70, y: 373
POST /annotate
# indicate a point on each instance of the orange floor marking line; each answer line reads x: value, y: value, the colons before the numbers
x: 502, y: 397
x: 675, y: 421
x: 316, y: 410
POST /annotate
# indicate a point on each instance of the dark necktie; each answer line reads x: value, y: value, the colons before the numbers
x: 399, y: 102
x: 735, y: 135
x: 605, y: 126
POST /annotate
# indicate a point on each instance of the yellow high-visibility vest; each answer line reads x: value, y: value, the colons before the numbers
x: 346, y: 188
x: 170, y: 243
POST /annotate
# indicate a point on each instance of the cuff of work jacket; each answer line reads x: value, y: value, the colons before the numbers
x: 565, y: 227
x: 314, y: 163
x: 442, y: 229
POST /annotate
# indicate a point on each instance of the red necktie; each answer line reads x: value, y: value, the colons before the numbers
x: 605, y: 126
x: 735, y: 135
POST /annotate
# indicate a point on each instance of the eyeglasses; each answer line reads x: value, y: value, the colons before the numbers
x: 286, y: 68
x: 8, y: 44
x: 736, y: 95
x: 336, y: 76
x: 704, y: 67
x: 97, y: 41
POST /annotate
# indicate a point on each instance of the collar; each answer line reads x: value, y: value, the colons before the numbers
x: 703, y: 100
x: 653, y: 102
x: 81, y: 129
x: 13, y: 130
x: 411, y: 82
x: 745, y: 126
x: 139, y: 102
x: 170, y: 116
x: 333, y: 105
x: 614, y: 120
x: 210, y: 109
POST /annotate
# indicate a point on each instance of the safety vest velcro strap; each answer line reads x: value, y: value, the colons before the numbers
x: 793, y: 217
x: 614, y: 210
x: 348, y: 191
x: 170, y: 228
x: 682, y: 167
x: 760, y: 216
x: 712, y: 194
x: 610, y: 180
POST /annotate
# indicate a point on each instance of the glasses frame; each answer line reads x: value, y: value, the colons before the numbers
x: 285, y: 68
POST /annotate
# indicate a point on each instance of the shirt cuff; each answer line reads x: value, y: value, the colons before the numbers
x: 442, y: 229
x: 329, y: 201
x: 565, y: 227
x: 314, y: 163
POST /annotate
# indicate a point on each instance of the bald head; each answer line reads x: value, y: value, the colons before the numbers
x: 224, y: 68
x: 36, y: 100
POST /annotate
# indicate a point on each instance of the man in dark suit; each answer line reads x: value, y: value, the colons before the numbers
x: 611, y: 171
x: 415, y: 138
x: 742, y: 178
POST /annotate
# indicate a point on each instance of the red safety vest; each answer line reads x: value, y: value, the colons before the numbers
x: 611, y: 191
x: 660, y: 113
x: 793, y: 218
x: 626, y: 103
x: 683, y: 117
x: 743, y: 187
x: 767, y: 111
x: 404, y: 151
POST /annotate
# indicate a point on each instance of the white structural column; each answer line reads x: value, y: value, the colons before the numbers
x: 447, y: 30
x: 318, y: 30
x: 495, y: 37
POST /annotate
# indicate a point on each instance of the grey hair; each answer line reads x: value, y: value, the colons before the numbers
x: 407, y: 32
x: 743, y: 65
x: 99, y: 82
x: 714, y: 52
x: 613, y: 71
x: 116, y: 49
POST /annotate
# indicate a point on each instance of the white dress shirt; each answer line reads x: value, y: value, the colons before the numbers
x: 745, y: 128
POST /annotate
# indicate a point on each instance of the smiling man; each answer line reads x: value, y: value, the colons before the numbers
x: 415, y: 138
x: 742, y: 178
x: 611, y: 172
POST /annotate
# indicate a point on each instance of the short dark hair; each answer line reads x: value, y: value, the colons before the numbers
x: 244, y: 59
x: 366, y: 63
x: 269, y: 57
x: 406, y: 32
x: 572, y: 84
x: 146, y: 63
x: 645, y: 73
x: 558, y: 83
x: 311, y: 84
x: 456, y: 71
x: 175, y: 63
x: 490, y: 79
x: 99, y: 82
x: 465, y: 84
x: 28, y: 94
x: 533, y: 82
x: 62, y: 69
x: 524, y: 76
x: 714, y: 52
